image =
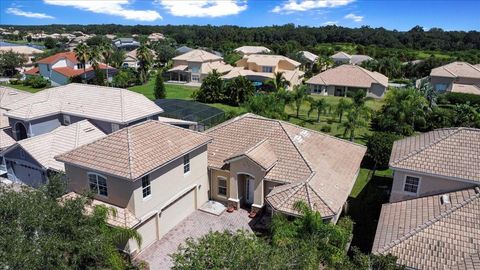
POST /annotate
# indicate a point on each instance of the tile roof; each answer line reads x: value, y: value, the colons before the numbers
x: 261, y: 153
x: 71, y: 72
x: 457, y: 69
x: 468, y: 262
x: 268, y: 59
x: 466, y: 88
x: 10, y: 95
x: 94, y: 102
x: 429, y: 232
x: 26, y: 50
x: 316, y: 167
x: 198, y: 56
x: 6, y: 138
x: 452, y: 152
x: 219, y: 66
x: 54, y: 58
x: 359, y: 58
x: 32, y: 71
x: 133, y: 53
x: 349, y: 75
x: 43, y: 148
x: 136, y: 150
x: 252, y: 49
x: 122, y: 218
x: 309, y: 56
x: 341, y: 55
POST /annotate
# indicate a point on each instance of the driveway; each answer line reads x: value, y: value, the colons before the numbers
x: 197, y: 224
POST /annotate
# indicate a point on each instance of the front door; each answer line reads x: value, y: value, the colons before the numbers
x: 249, y: 190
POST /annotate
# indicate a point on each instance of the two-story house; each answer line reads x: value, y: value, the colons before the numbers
x: 459, y: 77
x: 195, y: 65
x: 153, y: 173
x: 131, y: 60
x: 260, y: 68
x: 60, y: 68
x: 433, y: 218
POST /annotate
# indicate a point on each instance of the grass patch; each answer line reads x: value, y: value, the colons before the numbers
x: 25, y: 88
x: 173, y: 90
x: 364, y: 177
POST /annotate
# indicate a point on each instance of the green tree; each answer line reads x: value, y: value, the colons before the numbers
x: 238, y: 90
x: 212, y: 89
x: 342, y: 106
x: 82, y: 52
x: 9, y: 61
x: 357, y: 116
x: 118, y: 56
x: 379, y: 148
x: 299, y: 95
x: 164, y: 53
x: 465, y: 115
x: 49, y: 43
x: 429, y: 93
x: 159, y: 90
x: 145, y: 61
x: 319, y: 105
x: 278, y: 82
x: 124, y: 78
x: 60, y: 235
x: 267, y: 105
x: 107, y: 51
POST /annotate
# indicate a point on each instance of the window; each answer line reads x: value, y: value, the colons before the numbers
x: 195, y: 78
x: 186, y: 163
x: 115, y: 127
x: 267, y: 69
x: 80, y: 66
x: 146, y: 189
x: 411, y: 184
x: 66, y: 120
x: 441, y: 87
x: 98, y: 184
x: 48, y: 67
x: 222, y: 186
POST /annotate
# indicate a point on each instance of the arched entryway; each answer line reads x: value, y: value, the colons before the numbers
x: 20, y: 131
x: 246, y: 187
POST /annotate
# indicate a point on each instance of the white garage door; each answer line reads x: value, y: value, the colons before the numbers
x: 148, y: 231
x: 176, y: 212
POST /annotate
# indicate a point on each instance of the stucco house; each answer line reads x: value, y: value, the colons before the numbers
x: 154, y: 37
x: 259, y: 68
x: 108, y: 108
x: 131, y: 60
x: 248, y: 50
x: 308, y: 58
x: 126, y: 43
x: 459, y: 77
x: 31, y: 161
x: 28, y: 52
x: 342, y: 79
x: 60, y: 68
x: 341, y: 58
x: 195, y: 65
x: 153, y: 182
x: 435, y: 162
x: 440, y: 231
x: 255, y: 162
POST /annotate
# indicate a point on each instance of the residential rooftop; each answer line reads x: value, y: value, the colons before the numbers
x: 314, y: 167
x: 451, y: 152
x: 456, y: 70
x: 198, y: 56
x: 434, y: 232
x: 252, y: 49
x: 350, y: 76
x: 109, y: 104
x: 269, y: 60
x: 136, y: 150
x: 8, y: 96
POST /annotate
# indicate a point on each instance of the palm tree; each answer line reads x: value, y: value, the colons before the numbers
x: 299, y: 94
x: 357, y: 117
x: 429, y: 93
x: 145, y: 59
x: 324, y: 62
x: 319, y: 105
x: 342, y: 106
x: 107, y: 53
x: 82, y: 53
x: 406, y: 106
x: 278, y: 82
x: 238, y: 90
x: 95, y: 56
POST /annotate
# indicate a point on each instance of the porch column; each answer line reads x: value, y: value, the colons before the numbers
x: 233, y: 194
x: 345, y: 91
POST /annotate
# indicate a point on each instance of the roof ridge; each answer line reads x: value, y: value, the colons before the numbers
x: 312, y: 171
x: 316, y: 193
x: 129, y: 149
x: 431, y: 221
x: 421, y: 149
x: 368, y: 72
x: 296, y: 186
x: 444, y: 67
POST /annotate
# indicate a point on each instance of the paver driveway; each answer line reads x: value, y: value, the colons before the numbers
x: 197, y: 224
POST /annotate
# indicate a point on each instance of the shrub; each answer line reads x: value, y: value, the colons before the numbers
x: 326, y: 128
x: 36, y: 82
x: 379, y: 148
x: 462, y: 98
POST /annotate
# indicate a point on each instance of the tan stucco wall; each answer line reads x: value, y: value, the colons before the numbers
x: 285, y: 65
x: 429, y: 185
x: 246, y: 166
x: 215, y: 174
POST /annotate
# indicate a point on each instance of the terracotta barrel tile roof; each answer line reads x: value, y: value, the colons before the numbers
x: 136, y: 150
x: 434, y: 232
x: 54, y: 58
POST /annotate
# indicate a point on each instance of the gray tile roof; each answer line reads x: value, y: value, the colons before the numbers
x: 434, y: 232
x: 453, y: 153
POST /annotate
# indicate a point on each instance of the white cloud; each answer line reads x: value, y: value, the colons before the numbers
x: 19, y: 12
x: 353, y: 17
x: 304, y: 5
x: 110, y: 7
x: 203, y: 8
x: 330, y: 23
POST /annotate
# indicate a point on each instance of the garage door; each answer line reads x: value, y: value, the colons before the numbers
x: 148, y: 231
x: 176, y: 212
x: 28, y: 175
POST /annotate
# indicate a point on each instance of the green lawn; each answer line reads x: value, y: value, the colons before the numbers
x: 25, y: 88
x: 173, y: 90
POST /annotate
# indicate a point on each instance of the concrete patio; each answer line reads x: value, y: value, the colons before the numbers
x: 196, y: 225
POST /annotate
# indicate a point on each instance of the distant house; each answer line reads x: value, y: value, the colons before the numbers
x: 440, y: 231
x: 248, y: 50
x: 31, y: 161
x: 28, y: 52
x: 126, y: 43
x: 339, y: 80
x: 153, y: 173
x: 459, y: 77
x: 154, y: 37
x: 195, y: 65
x: 308, y: 58
x: 435, y: 162
x: 259, y: 68
x: 131, y: 60
x: 183, y: 49
x: 60, y: 68
x: 345, y: 58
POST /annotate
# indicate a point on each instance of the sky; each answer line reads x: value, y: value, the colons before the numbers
x: 391, y: 14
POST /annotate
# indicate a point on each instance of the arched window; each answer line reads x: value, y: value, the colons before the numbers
x: 98, y: 184
x: 20, y: 131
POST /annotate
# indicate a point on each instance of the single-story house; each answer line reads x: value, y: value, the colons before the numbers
x: 153, y: 173
x: 131, y: 60
x: 31, y: 161
x: 126, y: 43
x: 341, y: 58
x: 248, y: 50
x: 183, y: 49
x: 459, y: 77
x: 308, y: 58
x: 28, y: 52
x: 154, y: 37
x: 339, y: 80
